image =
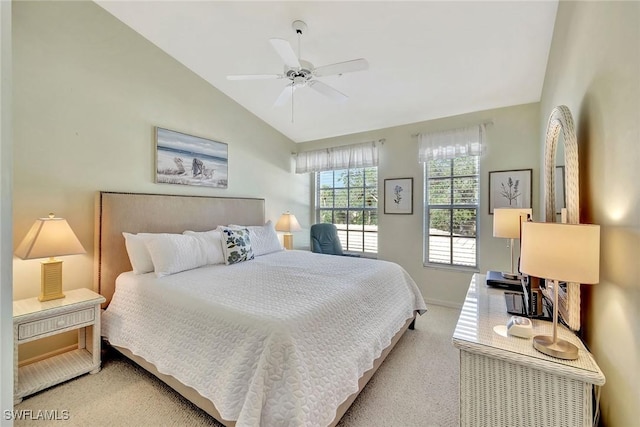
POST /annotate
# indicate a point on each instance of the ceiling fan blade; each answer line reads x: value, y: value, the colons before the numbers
x: 285, y: 95
x: 342, y: 67
x: 255, y: 76
x: 327, y: 90
x: 286, y: 52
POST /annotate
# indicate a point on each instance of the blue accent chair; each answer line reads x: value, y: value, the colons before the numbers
x: 325, y: 240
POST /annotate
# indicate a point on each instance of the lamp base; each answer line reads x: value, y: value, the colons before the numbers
x: 560, y: 348
x: 51, y: 280
x: 288, y: 241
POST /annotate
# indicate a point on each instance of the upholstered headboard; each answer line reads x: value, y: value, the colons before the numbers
x: 157, y: 213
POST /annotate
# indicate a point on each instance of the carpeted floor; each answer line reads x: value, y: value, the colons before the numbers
x: 416, y: 386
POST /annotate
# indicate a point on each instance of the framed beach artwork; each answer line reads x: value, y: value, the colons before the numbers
x: 190, y: 160
x: 398, y: 196
x: 510, y: 189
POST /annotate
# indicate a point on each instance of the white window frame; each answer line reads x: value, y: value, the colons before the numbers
x: 451, y: 206
x: 344, y: 233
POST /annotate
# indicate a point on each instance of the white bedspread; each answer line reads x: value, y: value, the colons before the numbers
x: 277, y: 341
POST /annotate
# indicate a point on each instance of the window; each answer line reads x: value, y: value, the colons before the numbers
x: 451, y: 211
x: 348, y: 198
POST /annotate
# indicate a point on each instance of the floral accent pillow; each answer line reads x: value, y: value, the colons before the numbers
x: 236, y: 245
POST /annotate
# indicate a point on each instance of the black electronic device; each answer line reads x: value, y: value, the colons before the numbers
x: 529, y: 301
x: 524, y: 296
x: 495, y: 280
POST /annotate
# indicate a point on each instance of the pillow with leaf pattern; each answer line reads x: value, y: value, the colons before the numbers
x: 236, y: 245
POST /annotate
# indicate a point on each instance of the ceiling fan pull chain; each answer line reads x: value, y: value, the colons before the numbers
x: 292, y: 91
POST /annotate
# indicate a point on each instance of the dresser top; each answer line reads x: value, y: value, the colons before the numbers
x: 485, y: 307
x: 28, y: 306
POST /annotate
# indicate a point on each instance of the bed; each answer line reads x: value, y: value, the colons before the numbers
x: 285, y: 338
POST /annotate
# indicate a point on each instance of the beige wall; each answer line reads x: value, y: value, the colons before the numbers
x: 6, y: 232
x: 594, y: 69
x: 88, y: 92
x: 513, y: 142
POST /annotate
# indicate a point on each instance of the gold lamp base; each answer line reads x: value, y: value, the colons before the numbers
x: 560, y: 348
x: 51, y: 280
x: 288, y: 241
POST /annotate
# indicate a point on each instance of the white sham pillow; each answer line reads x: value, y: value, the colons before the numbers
x: 264, y: 239
x: 211, y: 243
x: 173, y: 253
x: 139, y: 256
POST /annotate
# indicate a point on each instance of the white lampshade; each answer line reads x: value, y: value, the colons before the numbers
x: 49, y: 237
x: 288, y: 223
x: 506, y: 221
x: 563, y: 252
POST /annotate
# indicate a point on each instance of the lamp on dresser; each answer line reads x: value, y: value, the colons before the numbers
x: 563, y: 253
x: 506, y: 224
x: 48, y: 238
x: 288, y: 223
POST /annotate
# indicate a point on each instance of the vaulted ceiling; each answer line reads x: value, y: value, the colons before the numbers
x: 426, y: 59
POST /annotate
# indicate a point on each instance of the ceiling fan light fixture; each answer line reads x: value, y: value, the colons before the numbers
x: 302, y: 73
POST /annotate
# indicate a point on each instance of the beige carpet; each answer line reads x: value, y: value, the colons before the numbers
x: 416, y: 386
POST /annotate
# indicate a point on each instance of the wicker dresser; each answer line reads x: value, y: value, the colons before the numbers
x: 504, y: 381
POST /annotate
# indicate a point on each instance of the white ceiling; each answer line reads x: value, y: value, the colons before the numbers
x: 426, y: 59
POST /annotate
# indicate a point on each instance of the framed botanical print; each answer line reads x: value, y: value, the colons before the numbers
x: 398, y: 196
x: 510, y: 189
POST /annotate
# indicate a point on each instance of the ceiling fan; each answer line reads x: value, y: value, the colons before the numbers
x: 301, y: 73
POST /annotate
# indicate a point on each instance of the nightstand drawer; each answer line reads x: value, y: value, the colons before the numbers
x: 45, y: 326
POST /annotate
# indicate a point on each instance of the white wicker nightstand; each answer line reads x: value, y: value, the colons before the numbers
x: 504, y: 381
x: 33, y: 320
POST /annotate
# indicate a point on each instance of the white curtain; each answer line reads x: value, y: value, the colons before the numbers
x: 449, y: 144
x: 347, y: 156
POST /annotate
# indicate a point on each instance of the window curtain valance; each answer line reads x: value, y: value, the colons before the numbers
x: 347, y: 156
x: 449, y: 144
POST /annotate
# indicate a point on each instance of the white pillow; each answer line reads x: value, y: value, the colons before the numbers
x: 211, y: 243
x: 173, y: 253
x: 138, y: 253
x: 264, y: 238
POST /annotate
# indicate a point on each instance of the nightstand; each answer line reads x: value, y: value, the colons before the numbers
x: 33, y: 320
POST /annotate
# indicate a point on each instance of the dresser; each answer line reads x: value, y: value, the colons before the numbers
x: 504, y: 381
x: 34, y: 320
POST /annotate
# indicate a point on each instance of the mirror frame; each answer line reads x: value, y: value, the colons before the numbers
x: 562, y: 120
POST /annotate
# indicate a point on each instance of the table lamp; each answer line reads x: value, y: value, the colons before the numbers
x: 561, y: 252
x: 288, y: 223
x: 506, y: 224
x: 48, y: 238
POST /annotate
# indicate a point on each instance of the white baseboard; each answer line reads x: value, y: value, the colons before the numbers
x: 443, y: 303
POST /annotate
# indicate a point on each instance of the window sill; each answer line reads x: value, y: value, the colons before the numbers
x: 457, y: 268
x: 363, y: 254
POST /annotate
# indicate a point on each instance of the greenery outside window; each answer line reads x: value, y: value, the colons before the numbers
x: 348, y: 198
x: 451, y: 212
